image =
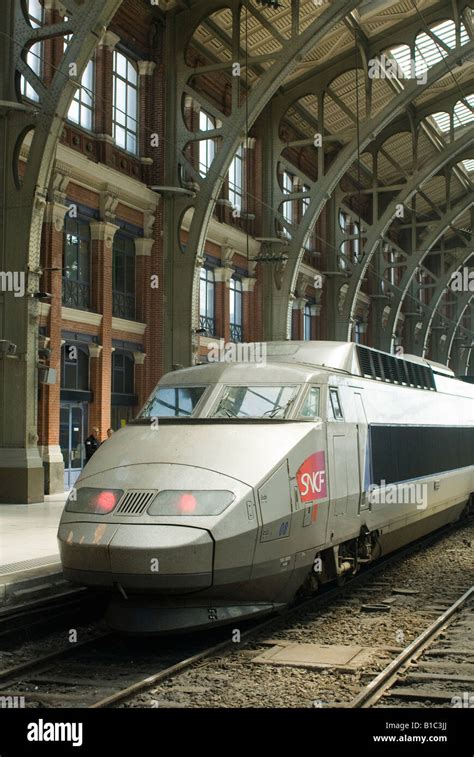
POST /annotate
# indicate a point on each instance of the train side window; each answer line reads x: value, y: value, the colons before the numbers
x: 310, y: 407
x: 336, y: 405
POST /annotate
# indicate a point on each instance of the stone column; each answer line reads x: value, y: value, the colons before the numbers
x: 53, y: 49
x: 222, y: 278
x: 102, y: 237
x: 144, y: 283
x: 315, y: 312
x: 149, y: 132
x: 140, y: 378
x: 248, y: 320
x: 50, y: 394
x: 298, y: 317
x: 104, y: 94
x: 191, y: 117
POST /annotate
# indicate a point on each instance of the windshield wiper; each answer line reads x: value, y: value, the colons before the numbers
x: 228, y: 411
x: 275, y: 410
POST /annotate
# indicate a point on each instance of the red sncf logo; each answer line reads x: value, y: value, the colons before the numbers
x: 311, y: 478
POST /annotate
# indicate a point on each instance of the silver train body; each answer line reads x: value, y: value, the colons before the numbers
x: 278, y: 476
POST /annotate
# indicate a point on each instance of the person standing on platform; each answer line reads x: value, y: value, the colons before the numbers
x: 110, y: 431
x: 92, y: 443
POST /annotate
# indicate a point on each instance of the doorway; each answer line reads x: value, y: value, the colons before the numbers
x: 72, y: 426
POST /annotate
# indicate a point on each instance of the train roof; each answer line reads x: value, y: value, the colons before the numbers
x: 308, y: 356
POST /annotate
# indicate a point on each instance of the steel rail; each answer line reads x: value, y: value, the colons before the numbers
x: 374, y: 690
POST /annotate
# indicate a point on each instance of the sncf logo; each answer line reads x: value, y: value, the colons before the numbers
x: 311, y: 478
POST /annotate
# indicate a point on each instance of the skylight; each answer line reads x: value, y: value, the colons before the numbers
x: 463, y: 113
x: 428, y: 51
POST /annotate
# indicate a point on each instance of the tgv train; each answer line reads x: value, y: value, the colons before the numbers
x: 241, y: 485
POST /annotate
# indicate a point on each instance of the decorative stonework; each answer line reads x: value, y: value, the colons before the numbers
x: 59, y: 184
x: 146, y: 67
x: 109, y: 39
x: 227, y: 253
x: 108, y: 204
x: 40, y: 201
x: 299, y: 303
x: 191, y: 104
x: 223, y: 274
x: 80, y: 316
x: 249, y: 143
x: 199, y: 261
x: 143, y: 246
x: 139, y: 357
x: 101, y: 231
x: 304, y: 281
x: 131, y: 327
x: 149, y: 218
x: 248, y: 283
x: 95, y: 350
x: 54, y: 215
x: 342, y: 296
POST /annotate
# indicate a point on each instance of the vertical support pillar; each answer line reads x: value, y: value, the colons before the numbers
x: 50, y: 394
x: 102, y: 237
x: 222, y: 278
x: 103, y: 93
x: 150, y: 136
x: 248, y: 319
x: 53, y: 48
x: 140, y: 378
x: 298, y: 318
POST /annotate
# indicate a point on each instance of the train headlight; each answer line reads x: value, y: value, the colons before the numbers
x: 191, y: 502
x: 89, y: 500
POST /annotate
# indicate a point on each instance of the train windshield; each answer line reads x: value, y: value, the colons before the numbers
x: 173, y: 402
x: 256, y: 402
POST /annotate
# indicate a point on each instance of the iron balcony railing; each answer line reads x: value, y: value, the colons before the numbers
x: 123, y: 305
x: 76, y: 294
x: 235, y: 332
x: 208, y: 324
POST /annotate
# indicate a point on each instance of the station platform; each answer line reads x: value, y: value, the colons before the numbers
x: 29, y: 556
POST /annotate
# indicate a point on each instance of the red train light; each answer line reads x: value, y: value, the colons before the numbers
x: 106, y: 502
x: 187, y: 503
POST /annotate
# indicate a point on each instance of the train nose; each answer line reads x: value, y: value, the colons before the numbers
x: 165, y: 558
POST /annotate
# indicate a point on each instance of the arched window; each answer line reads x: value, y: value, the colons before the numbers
x: 125, y: 103
x: 307, y: 322
x: 235, y: 292
x: 81, y: 110
x: 206, y: 301
x: 428, y: 49
x: 34, y: 56
x: 76, y: 264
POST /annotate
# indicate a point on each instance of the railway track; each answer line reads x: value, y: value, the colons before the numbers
x: 436, y: 668
x: 100, y: 671
x: 108, y: 669
x: 46, y: 612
